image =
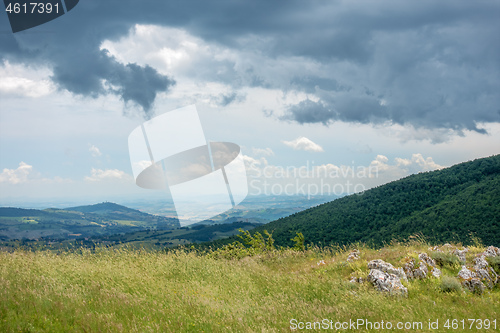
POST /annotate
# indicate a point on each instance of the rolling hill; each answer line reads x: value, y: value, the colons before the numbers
x: 453, y: 204
x: 83, y: 221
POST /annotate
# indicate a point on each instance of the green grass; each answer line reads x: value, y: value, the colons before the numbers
x: 130, y: 290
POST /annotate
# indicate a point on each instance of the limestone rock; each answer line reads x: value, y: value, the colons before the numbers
x: 386, y: 282
x: 470, y: 280
x: 354, y: 255
x: 435, y: 249
x: 356, y: 280
x: 425, y: 264
x: 466, y: 274
x: 387, y: 268
x: 485, y: 272
x: 424, y: 258
x: 409, y: 268
x: 460, y: 254
x: 421, y: 272
x: 492, y: 251
x: 436, y: 272
x: 476, y: 286
x: 428, y: 260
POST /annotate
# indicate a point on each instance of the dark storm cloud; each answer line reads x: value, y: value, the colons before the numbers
x: 433, y: 64
x: 83, y: 75
x: 310, y: 112
x: 310, y: 84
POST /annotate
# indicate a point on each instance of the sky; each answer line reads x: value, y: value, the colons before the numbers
x: 367, y: 91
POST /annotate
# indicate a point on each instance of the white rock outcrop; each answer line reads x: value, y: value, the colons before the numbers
x: 470, y: 280
x: 485, y: 272
x: 460, y: 254
x: 428, y: 261
x: 492, y: 251
x: 387, y: 268
x: 420, y: 269
x: 386, y: 282
x: 356, y: 280
x: 354, y: 255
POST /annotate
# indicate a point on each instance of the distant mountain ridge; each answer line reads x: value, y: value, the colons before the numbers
x: 103, y: 207
x: 112, y: 210
x: 85, y: 221
x: 452, y: 204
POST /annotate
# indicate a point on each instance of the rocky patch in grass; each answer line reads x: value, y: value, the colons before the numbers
x: 387, y: 278
x: 481, y: 274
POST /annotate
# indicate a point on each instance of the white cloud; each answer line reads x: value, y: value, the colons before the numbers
x: 303, y: 143
x: 419, y: 163
x: 17, y: 80
x: 95, y: 151
x: 403, y: 166
x: 16, y: 176
x: 25, y: 173
x: 107, y: 174
x: 263, y: 152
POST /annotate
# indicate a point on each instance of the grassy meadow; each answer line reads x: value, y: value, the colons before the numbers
x: 133, y: 290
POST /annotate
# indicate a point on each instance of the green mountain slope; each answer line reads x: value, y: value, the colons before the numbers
x: 117, y: 212
x: 443, y: 205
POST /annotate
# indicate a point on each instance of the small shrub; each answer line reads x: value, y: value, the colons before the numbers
x: 495, y: 263
x: 446, y: 259
x: 450, y: 284
x: 235, y: 250
x: 257, y: 241
x: 254, y: 245
x: 299, y: 242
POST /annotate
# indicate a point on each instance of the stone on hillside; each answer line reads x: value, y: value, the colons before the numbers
x: 460, y: 254
x: 424, y: 258
x: 425, y: 264
x: 387, y: 268
x: 435, y: 249
x: 466, y: 274
x: 428, y: 260
x: 386, y: 282
x: 356, y: 280
x: 476, y: 286
x: 354, y: 255
x: 421, y: 272
x: 436, y: 272
x: 485, y: 272
x: 409, y: 268
x: 480, y: 263
x: 470, y: 280
x: 492, y: 251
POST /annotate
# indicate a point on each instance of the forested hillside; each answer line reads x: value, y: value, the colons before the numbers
x: 452, y: 204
